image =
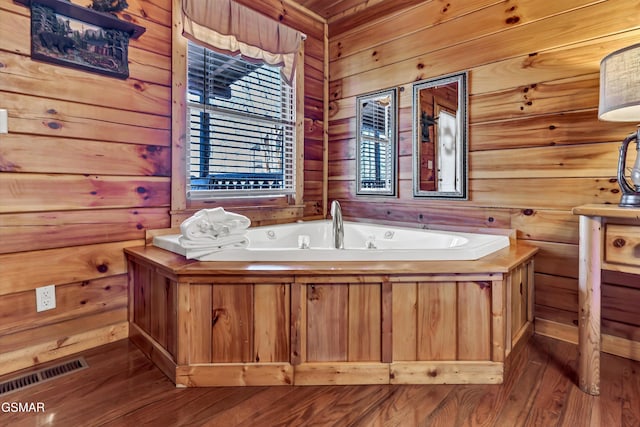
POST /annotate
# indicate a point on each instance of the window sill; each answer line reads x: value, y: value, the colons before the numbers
x: 261, y: 211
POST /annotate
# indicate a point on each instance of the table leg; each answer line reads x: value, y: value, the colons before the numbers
x: 589, y: 304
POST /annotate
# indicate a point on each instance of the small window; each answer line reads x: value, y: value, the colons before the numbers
x: 241, y: 127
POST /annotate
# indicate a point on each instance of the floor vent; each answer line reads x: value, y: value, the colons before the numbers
x: 42, y: 375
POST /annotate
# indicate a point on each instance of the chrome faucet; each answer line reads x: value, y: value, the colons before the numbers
x: 338, y: 225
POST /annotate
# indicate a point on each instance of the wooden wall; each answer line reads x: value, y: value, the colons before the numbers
x: 86, y: 169
x: 537, y: 148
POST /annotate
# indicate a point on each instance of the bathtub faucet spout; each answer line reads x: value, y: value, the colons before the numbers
x: 338, y: 226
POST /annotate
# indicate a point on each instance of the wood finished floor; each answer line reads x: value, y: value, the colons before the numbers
x: 122, y: 388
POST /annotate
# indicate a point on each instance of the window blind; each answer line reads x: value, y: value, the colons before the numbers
x: 241, y: 126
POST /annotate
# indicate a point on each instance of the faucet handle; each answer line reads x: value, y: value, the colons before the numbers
x: 370, y: 243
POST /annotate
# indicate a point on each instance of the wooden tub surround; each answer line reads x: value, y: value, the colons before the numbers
x: 312, y: 323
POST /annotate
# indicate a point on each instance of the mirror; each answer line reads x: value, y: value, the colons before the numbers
x: 440, y: 137
x: 376, y: 158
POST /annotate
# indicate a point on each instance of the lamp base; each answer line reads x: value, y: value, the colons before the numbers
x: 630, y: 200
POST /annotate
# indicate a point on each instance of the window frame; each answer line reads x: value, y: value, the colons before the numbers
x: 238, y: 121
x: 363, y: 140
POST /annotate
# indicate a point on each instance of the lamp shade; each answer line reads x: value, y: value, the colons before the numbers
x: 620, y: 86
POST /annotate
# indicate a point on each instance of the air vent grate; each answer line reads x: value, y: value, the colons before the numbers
x: 42, y: 375
x: 56, y: 371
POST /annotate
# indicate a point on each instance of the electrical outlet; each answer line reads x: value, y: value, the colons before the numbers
x: 46, y: 298
x: 4, y: 121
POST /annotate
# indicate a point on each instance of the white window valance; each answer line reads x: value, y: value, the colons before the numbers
x: 225, y: 25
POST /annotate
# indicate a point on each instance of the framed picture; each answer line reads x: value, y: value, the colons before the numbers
x: 67, y: 34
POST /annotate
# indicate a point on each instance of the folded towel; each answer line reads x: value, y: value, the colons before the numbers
x: 213, y: 224
x: 219, y: 243
x: 197, y: 253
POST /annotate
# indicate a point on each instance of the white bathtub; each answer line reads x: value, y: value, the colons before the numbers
x: 362, y: 242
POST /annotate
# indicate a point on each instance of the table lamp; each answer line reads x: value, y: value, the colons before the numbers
x: 620, y: 102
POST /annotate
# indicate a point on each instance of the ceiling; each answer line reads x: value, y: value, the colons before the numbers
x: 329, y: 9
x: 337, y: 10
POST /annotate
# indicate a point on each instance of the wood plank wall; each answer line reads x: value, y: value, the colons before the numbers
x: 537, y: 148
x: 86, y: 169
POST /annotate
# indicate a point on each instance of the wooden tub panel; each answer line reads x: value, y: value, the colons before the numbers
x: 271, y: 323
x: 158, y: 321
x: 344, y: 322
x: 199, y: 324
x: 232, y: 320
x: 436, y: 321
x: 327, y: 317
x: 474, y: 321
x: 142, y: 302
x: 364, y: 328
x: 519, y: 305
x: 405, y: 305
x: 155, y: 305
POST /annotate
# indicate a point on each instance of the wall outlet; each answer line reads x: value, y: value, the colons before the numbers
x: 46, y: 298
x: 4, y: 121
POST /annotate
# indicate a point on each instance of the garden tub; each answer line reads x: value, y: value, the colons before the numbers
x: 313, y: 241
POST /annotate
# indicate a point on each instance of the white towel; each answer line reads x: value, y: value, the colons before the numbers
x: 210, y: 225
x: 198, y: 252
x: 235, y: 241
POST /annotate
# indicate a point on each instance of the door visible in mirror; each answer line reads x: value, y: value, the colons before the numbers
x: 376, y: 140
x: 440, y: 137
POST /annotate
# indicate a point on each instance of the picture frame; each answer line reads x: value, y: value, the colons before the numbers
x: 67, y: 34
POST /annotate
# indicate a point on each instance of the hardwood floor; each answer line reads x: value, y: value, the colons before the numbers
x: 122, y: 388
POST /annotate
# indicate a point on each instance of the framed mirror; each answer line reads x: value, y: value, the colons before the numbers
x: 440, y: 137
x: 376, y: 142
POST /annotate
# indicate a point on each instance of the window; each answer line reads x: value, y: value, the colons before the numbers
x: 241, y: 127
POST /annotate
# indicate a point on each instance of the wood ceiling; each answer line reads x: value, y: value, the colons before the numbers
x: 335, y: 8
x: 343, y: 14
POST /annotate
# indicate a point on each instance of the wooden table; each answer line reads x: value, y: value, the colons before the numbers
x: 609, y: 240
